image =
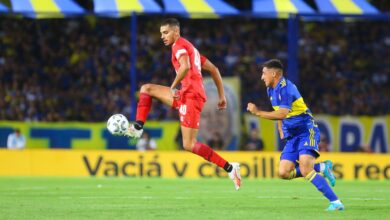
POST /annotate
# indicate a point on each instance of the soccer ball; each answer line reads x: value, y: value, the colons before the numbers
x: 117, y: 124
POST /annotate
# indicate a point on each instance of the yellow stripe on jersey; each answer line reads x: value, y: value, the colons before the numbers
x: 311, y: 138
x: 298, y: 107
x: 283, y: 83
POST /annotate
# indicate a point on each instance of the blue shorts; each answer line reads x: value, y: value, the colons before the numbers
x: 304, y: 143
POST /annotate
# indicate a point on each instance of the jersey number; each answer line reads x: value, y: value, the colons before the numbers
x: 197, y: 60
x: 183, y: 109
x: 314, y: 123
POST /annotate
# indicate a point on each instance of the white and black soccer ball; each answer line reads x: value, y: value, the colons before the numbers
x: 117, y: 124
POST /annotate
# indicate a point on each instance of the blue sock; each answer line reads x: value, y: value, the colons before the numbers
x: 317, y: 167
x: 320, y: 183
x: 297, y: 173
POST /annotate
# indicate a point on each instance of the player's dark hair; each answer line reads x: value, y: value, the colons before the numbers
x: 171, y: 22
x: 273, y: 63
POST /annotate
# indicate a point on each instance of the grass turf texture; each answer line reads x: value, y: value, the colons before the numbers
x: 127, y: 198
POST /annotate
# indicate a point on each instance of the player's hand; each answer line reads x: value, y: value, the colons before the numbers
x: 252, y: 108
x: 222, y: 103
x: 175, y: 93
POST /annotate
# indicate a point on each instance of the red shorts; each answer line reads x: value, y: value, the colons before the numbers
x: 189, y: 111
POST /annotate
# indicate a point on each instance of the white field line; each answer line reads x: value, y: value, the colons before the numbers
x: 225, y: 197
x: 321, y: 198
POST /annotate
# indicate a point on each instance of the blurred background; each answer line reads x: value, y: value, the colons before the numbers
x: 67, y: 66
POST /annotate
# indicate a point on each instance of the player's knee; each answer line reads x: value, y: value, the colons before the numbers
x: 284, y: 174
x: 187, y: 147
x: 146, y: 88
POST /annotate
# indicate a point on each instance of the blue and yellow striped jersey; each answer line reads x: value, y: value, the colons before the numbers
x: 286, y: 95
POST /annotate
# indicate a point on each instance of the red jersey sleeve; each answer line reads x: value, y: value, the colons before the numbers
x: 202, y: 59
x: 179, y: 50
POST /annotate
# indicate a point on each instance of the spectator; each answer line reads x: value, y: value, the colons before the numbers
x: 323, y: 146
x: 146, y: 143
x: 216, y: 142
x: 16, y: 140
x: 77, y: 70
x: 254, y: 143
x: 364, y: 148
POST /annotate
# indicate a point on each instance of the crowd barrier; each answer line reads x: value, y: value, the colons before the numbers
x: 125, y: 163
x: 81, y: 135
x: 343, y: 133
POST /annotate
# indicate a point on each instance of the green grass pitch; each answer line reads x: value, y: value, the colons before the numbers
x: 129, y: 198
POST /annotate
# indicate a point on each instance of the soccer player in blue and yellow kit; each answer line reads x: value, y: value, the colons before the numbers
x: 296, y: 125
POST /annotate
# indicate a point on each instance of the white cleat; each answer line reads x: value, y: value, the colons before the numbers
x: 235, y: 175
x: 133, y: 132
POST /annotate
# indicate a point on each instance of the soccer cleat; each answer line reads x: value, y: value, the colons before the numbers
x: 133, y: 132
x: 328, y: 172
x: 235, y: 175
x: 333, y: 206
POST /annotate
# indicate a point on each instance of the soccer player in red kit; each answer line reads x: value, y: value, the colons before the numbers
x: 189, y: 100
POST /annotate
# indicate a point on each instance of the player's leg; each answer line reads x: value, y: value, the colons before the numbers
x: 308, y: 152
x: 306, y: 164
x: 286, y: 169
x: 191, y: 144
x: 288, y: 159
x: 325, y: 168
x: 290, y: 170
x: 189, y: 113
x: 310, y: 141
x: 147, y: 92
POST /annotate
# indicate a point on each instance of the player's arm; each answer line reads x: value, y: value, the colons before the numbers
x: 281, y: 135
x: 279, y: 114
x: 216, y: 75
x: 184, y: 61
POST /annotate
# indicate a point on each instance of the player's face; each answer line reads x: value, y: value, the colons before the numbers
x: 168, y: 34
x: 267, y: 76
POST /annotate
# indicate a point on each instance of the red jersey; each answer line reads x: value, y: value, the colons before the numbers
x: 192, y: 84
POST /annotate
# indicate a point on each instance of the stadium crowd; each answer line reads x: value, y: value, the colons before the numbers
x: 78, y: 69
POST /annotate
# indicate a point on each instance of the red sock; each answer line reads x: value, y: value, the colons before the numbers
x: 143, y: 107
x: 208, y: 154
